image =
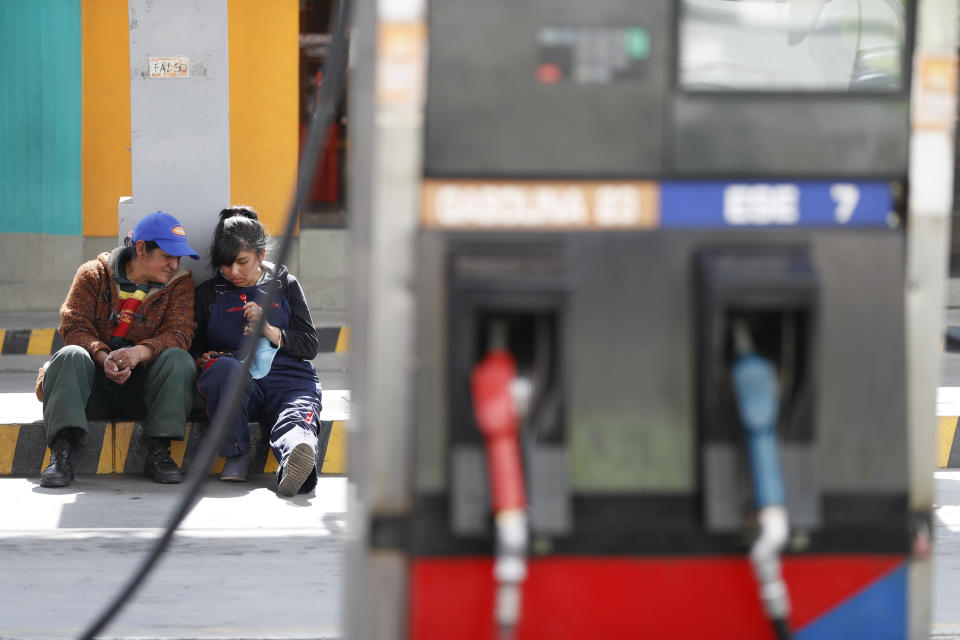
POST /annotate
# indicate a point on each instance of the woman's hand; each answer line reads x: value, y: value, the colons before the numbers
x: 204, y: 360
x: 252, y: 312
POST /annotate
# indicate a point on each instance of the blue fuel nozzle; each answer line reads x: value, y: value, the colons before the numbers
x: 755, y: 386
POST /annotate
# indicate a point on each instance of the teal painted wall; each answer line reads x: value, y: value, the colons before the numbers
x: 40, y: 117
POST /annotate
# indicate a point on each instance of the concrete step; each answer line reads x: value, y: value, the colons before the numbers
x: 24, y: 351
x: 119, y: 447
x: 18, y: 373
x: 44, y: 341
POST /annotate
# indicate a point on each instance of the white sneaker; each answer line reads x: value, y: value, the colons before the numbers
x: 300, y: 465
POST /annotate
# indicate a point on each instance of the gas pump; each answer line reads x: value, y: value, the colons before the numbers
x: 702, y: 265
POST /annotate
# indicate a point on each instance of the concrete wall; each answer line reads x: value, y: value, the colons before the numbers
x: 82, y: 125
x: 38, y: 268
x: 322, y: 267
x: 264, y: 106
x: 76, y: 120
x: 40, y: 117
x: 106, y: 115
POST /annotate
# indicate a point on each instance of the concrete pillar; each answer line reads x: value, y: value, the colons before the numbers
x: 180, y: 126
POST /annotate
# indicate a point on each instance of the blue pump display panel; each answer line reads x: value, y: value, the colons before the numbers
x: 713, y: 204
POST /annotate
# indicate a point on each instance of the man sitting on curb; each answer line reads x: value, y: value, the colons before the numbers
x: 126, y: 323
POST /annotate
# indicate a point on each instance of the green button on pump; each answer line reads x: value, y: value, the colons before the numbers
x: 638, y: 43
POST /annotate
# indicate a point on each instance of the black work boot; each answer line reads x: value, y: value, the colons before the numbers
x: 59, y: 473
x: 158, y: 464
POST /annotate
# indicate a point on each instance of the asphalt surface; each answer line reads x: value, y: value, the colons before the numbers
x: 950, y: 365
x: 244, y: 564
x: 945, y: 619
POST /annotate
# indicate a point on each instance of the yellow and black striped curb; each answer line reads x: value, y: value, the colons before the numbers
x: 334, y: 339
x: 120, y: 447
x: 948, y: 442
x: 42, y: 342
x: 34, y: 342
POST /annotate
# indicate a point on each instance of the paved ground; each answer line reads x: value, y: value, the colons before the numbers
x: 946, y: 555
x: 245, y: 564
x: 951, y: 357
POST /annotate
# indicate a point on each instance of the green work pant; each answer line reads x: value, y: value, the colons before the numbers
x: 75, y: 390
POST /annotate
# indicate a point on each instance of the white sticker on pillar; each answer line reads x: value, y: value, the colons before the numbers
x: 170, y: 67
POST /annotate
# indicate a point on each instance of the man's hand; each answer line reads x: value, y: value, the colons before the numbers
x: 112, y: 369
x: 120, y: 363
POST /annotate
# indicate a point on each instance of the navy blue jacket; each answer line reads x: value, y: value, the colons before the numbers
x: 299, y: 338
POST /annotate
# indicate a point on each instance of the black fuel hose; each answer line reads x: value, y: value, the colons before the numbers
x: 330, y: 90
x: 781, y: 629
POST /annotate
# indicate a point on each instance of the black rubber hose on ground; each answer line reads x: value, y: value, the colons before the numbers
x: 330, y: 90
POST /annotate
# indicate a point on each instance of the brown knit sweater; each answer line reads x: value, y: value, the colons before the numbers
x: 85, y: 317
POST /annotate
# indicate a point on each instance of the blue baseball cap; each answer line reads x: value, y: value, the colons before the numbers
x: 167, y: 232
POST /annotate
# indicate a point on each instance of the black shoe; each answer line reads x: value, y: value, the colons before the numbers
x: 158, y: 463
x: 59, y: 473
x: 300, y: 465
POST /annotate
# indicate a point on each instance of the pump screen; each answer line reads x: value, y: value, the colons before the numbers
x: 591, y: 55
x: 797, y: 45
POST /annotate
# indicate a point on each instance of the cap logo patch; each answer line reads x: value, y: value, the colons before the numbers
x: 179, y: 231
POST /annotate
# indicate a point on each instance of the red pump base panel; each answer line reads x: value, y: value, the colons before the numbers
x: 589, y: 597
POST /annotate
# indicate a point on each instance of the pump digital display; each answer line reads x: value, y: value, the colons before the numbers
x: 843, y: 46
x: 777, y: 204
x: 591, y: 55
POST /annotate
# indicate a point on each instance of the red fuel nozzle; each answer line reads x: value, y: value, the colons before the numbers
x: 497, y: 418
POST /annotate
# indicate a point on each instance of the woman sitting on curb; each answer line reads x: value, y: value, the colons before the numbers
x: 283, y: 391
x: 126, y: 323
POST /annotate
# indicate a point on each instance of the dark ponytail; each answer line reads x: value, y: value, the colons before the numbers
x: 238, y: 229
